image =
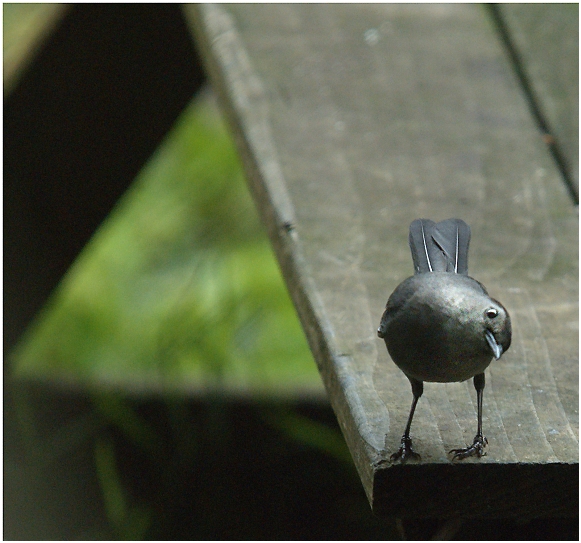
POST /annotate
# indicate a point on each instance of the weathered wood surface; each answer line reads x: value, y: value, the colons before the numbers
x: 352, y: 121
x: 546, y: 39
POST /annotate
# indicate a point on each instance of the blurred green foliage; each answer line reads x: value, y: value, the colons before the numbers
x: 177, y: 296
x: 128, y: 522
x: 178, y: 290
x: 176, y: 328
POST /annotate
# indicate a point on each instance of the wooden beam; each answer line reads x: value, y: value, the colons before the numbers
x: 353, y: 120
x: 25, y: 28
x: 79, y: 122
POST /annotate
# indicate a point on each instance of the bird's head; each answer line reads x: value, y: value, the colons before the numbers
x: 498, y: 330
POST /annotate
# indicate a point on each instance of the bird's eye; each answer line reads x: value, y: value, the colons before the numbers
x: 491, y: 313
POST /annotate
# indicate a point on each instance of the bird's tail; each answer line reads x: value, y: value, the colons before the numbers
x: 440, y: 247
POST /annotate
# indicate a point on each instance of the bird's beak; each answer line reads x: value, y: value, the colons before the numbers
x: 494, y: 345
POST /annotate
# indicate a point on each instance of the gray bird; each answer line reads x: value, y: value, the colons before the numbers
x: 440, y: 325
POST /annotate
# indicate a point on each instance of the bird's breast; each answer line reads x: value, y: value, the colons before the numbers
x: 433, y: 332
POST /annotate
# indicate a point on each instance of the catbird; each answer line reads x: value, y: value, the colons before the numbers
x: 440, y: 325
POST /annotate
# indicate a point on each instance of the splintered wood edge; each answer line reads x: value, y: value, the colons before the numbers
x: 216, y: 36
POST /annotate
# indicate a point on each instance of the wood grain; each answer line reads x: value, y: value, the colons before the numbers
x: 353, y: 120
x: 546, y: 38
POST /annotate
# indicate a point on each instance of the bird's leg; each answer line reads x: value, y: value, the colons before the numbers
x: 405, y: 452
x: 477, y: 447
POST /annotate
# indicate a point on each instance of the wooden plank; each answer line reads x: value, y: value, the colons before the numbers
x: 545, y: 38
x: 354, y: 120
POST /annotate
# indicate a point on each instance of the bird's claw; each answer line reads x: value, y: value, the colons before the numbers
x: 405, y: 452
x: 476, y: 449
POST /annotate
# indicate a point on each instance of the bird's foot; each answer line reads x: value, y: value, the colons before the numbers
x: 476, y: 449
x: 405, y: 452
